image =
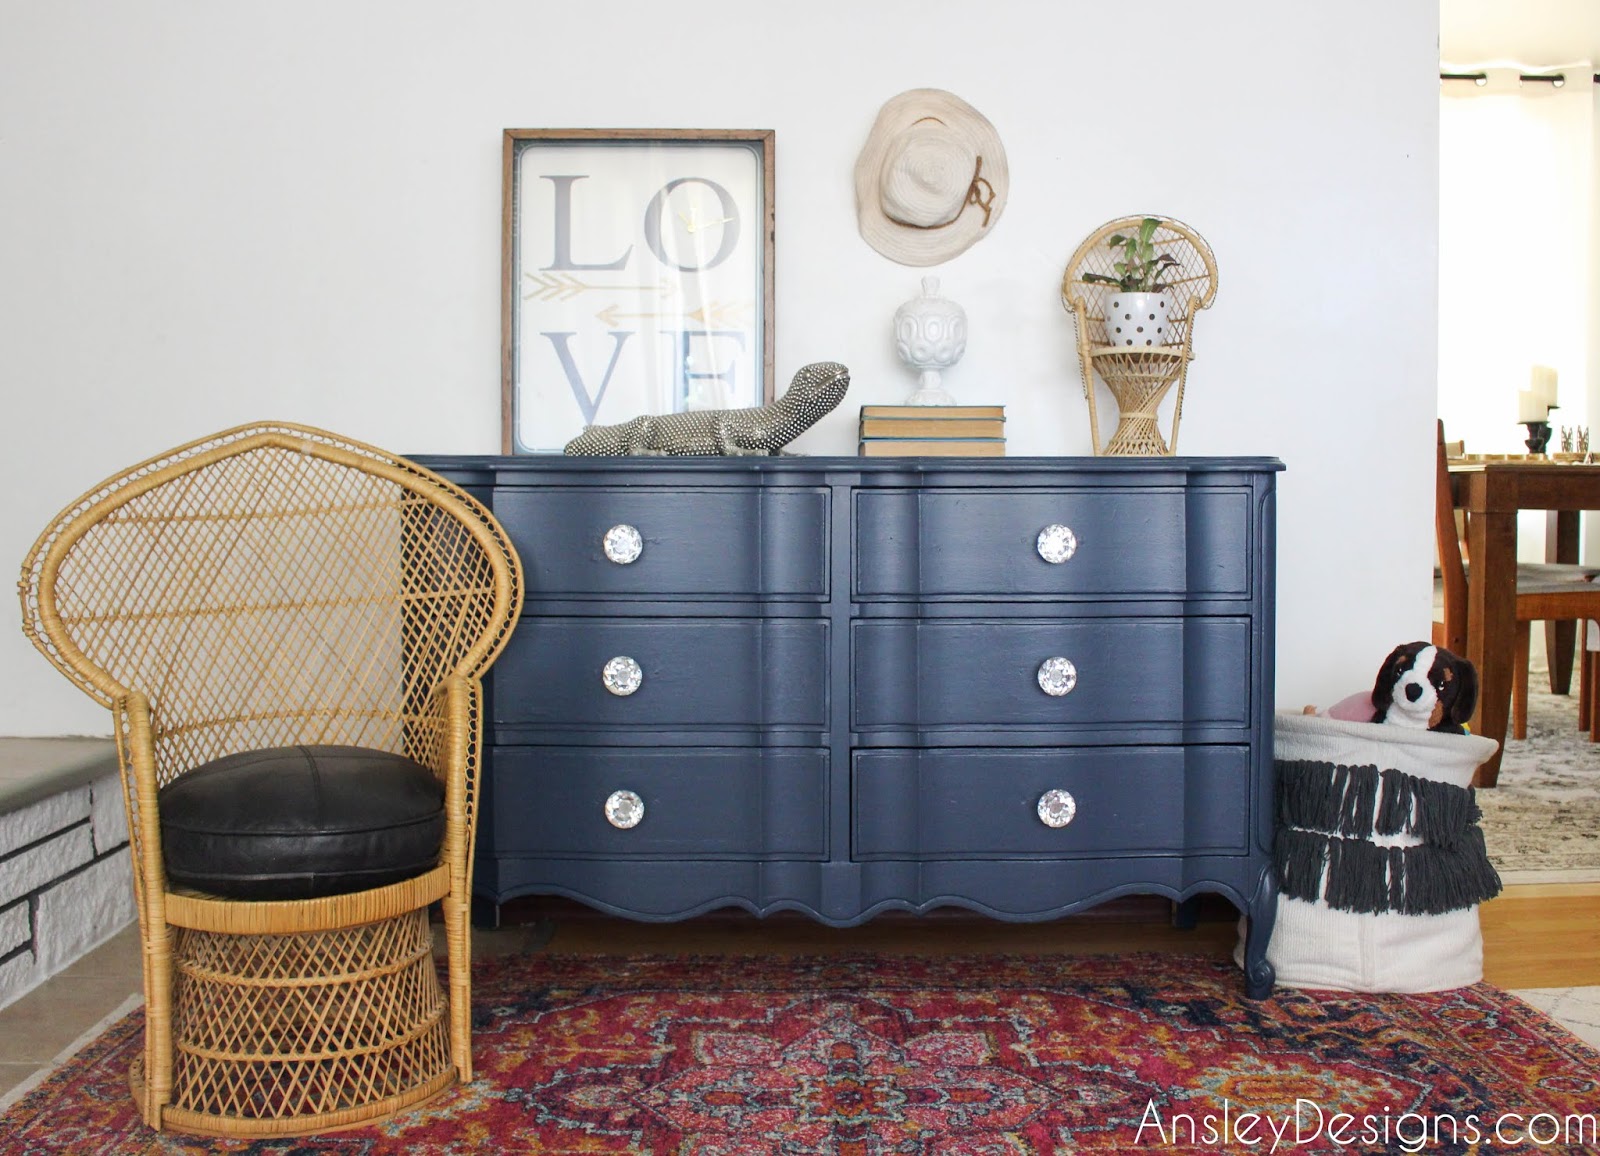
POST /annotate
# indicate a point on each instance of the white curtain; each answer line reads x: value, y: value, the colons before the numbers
x: 1519, y: 250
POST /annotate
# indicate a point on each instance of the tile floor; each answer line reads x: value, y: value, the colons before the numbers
x: 35, y: 1028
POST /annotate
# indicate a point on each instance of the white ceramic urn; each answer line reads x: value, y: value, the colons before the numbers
x: 930, y: 334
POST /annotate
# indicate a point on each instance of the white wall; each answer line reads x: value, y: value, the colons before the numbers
x: 1513, y: 165
x: 217, y: 212
x: 1534, y: 161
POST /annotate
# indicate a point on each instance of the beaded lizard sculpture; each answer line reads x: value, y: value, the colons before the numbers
x: 766, y: 429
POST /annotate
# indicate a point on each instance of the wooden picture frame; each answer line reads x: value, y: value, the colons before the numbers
x: 636, y: 277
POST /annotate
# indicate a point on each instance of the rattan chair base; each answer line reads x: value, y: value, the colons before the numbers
x: 1140, y: 381
x: 305, y: 1032
x: 1137, y: 435
x: 230, y: 1128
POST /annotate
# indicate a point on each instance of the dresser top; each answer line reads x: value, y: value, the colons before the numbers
x: 1142, y: 469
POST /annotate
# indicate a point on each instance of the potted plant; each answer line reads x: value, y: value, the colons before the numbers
x: 1137, y: 310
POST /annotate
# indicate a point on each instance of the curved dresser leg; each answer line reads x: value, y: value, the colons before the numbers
x: 485, y: 913
x: 1186, y: 914
x: 1263, y: 913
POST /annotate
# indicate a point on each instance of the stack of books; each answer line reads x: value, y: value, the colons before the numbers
x: 960, y: 431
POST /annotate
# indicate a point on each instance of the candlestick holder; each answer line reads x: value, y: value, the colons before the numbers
x: 1538, y: 436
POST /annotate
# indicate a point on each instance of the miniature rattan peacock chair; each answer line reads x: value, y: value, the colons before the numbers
x: 1140, y: 358
x: 289, y: 629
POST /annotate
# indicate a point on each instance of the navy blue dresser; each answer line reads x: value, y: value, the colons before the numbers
x: 844, y: 686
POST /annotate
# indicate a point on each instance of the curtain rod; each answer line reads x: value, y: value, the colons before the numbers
x: 1554, y: 78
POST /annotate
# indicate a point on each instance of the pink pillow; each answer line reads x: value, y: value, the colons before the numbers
x: 1356, y: 708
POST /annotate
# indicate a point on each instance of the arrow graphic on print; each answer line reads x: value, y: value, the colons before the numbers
x: 721, y: 313
x: 609, y: 316
x: 711, y: 314
x: 564, y: 287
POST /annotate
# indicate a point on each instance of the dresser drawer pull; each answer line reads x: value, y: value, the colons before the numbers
x: 623, y: 676
x: 1056, y: 543
x: 1057, y: 676
x: 624, y: 809
x: 623, y: 544
x: 1057, y: 808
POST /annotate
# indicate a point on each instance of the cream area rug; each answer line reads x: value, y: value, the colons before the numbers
x: 1541, y: 821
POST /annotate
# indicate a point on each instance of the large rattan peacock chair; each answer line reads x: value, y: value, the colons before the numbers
x: 289, y: 629
x: 1139, y: 369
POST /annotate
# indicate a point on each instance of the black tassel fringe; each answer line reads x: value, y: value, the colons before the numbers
x: 1327, y: 814
x: 1361, y: 801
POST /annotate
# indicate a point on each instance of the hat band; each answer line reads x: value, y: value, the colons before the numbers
x: 982, y: 197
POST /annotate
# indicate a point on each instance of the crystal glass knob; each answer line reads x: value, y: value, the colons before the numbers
x: 1057, y: 808
x: 623, y: 544
x: 623, y: 676
x: 624, y: 809
x: 1056, y: 544
x: 1057, y: 676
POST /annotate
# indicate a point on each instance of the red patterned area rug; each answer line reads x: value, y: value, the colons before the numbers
x: 886, y: 1055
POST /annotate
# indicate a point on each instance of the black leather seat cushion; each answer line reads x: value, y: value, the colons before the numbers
x: 301, y: 822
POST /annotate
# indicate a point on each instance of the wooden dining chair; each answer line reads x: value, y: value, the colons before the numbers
x: 1546, y: 592
x: 1589, y: 680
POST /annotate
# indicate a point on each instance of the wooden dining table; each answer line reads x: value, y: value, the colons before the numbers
x: 1493, y: 491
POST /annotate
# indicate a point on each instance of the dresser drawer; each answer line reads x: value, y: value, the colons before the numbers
x: 693, y: 672
x: 977, y: 673
x: 698, y: 802
x: 984, y: 544
x: 978, y: 804
x: 769, y: 541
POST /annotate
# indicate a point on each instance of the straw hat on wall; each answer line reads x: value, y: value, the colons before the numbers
x: 931, y: 178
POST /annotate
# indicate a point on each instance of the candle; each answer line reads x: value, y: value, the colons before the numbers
x: 1542, y: 382
x: 1531, y: 407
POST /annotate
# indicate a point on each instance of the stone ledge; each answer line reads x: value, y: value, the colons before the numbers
x: 43, y: 863
x: 82, y: 910
x: 41, y: 819
x: 35, y: 769
x: 65, y: 879
x: 16, y: 928
x: 18, y: 976
x: 71, y: 916
x: 108, y: 812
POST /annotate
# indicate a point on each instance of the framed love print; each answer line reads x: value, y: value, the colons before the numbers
x: 636, y: 277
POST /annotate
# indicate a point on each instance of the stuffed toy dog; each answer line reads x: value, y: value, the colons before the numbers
x: 1425, y: 686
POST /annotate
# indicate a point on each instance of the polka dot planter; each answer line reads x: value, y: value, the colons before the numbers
x: 1138, y: 319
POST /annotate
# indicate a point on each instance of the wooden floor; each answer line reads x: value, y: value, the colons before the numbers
x: 1534, y: 936
x: 1542, y: 935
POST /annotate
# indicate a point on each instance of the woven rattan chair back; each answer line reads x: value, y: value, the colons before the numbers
x: 268, y: 586
x: 1138, y: 377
